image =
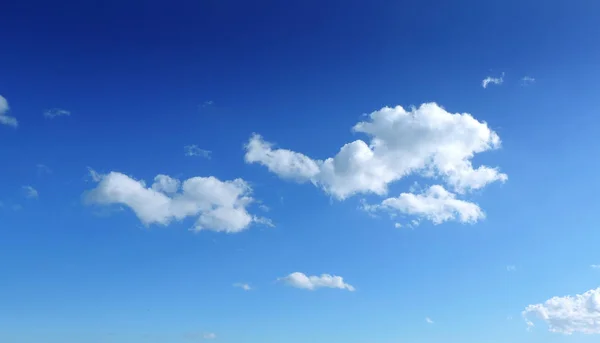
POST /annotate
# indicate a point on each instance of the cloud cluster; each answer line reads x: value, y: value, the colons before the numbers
x: 569, y: 314
x: 427, y: 141
x: 300, y: 280
x: 5, y: 119
x: 217, y: 205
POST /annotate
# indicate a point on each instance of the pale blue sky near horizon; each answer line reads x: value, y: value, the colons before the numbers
x: 142, y: 80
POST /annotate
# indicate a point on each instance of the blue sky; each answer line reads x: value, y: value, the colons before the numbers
x: 249, y: 233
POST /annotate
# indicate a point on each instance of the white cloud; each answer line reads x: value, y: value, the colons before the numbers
x: 435, y: 204
x: 165, y: 184
x: 43, y: 169
x: 4, y: 118
x: 527, y: 80
x: 426, y: 141
x: 511, y: 268
x: 244, y: 286
x: 56, y: 112
x: 217, y: 205
x: 195, y: 151
x: 300, y: 280
x: 209, y: 335
x: 428, y: 320
x: 569, y: 314
x: 30, y: 192
x: 492, y: 80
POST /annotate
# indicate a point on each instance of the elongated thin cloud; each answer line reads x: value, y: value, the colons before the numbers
x: 5, y: 119
x: 492, y: 80
x: 300, y: 280
x: 56, y: 112
x: 244, y: 286
x: 527, y: 80
x: 209, y: 335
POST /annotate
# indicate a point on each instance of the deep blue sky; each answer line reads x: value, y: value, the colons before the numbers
x: 136, y: 77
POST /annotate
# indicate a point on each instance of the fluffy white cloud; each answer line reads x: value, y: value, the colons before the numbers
x: 300, y: 280
x: 428, y: 141
x: 435, y: 204
x: 244, y: 286
x: 195, y: 151
x: 492, y: 80
x: 56, y: 112
x: 4, y: 118
x: 217, y: 205
x: 569, y: 314
x: 31, y: 192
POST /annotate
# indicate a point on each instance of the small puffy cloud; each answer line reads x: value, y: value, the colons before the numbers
x: 527, y: 80
x: 492, y: 80
x: 195, y: 151
x: 428, y: 320
x: 216, y: 205
x: 568, y: 314
x: 244, y: 286
x: 209, y: 335
x: 5, y: 119
x: 435, y: 204
x: 56, y: 112
x: 30, y: 192
x: 300, y: 280
x: 426, y: 141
